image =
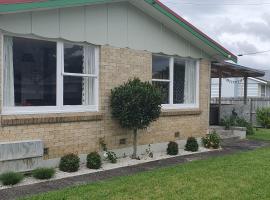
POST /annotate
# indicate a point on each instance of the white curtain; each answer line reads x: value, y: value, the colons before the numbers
x: 89, y: 83
x: 8, y: 72
x: 190, y: 82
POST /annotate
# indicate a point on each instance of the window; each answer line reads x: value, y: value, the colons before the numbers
x: 49, y: 76
x: 178, y: 80
x: 263, y: 90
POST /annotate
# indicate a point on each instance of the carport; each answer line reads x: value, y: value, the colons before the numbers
x: 229, y: 70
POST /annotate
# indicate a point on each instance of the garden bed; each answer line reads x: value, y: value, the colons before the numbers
x: 121, y: 162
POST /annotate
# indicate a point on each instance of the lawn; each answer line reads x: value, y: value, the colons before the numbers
x: 261, y: 134
x: 240, y: 176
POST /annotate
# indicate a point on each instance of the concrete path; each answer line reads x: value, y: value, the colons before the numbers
x: 229, y: 147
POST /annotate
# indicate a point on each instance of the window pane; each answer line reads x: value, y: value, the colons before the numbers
x: 160, y: 69
x: 78, y: 91
x: 73, y: 58
x: 34, y: 65
x: 165, y: 88
x: 179, y: 81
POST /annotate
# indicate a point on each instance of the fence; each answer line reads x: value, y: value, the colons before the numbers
x: 249, y: 109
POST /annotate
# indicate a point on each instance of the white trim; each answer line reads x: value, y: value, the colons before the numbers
x: 47, y: 109
x: 171, y: 105
x: 258, y: 80
x: 97, y: 57
x: 60, y: 107
x: 171, y: 80
x: 80, y: 75
x: 2, y: 70
x: 59, y: 77
x: 161, y: 80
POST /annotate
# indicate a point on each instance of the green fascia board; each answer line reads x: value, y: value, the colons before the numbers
x: 17, y: 7
x: 197, y: 34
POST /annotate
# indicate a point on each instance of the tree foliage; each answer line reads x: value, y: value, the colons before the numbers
x: 136, y: 104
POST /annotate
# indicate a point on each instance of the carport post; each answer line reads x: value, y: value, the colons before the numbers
x: 245, y: 90
x: 219, y: 95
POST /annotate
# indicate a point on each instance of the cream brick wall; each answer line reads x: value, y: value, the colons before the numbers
x: 80, y: 132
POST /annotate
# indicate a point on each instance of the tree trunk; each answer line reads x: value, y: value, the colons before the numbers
x: 135, y: 133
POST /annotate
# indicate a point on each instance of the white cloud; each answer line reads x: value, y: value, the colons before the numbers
x: 241, y: 28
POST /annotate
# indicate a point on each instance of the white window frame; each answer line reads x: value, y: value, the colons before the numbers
x: 171, y: 105
x: 59, y: 108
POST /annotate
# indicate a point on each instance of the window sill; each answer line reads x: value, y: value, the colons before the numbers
x: 179, y: 112
x: 14, y: 120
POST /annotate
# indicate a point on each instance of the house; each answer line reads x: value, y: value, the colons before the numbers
x: 234, y: 87
x: 60, y: 60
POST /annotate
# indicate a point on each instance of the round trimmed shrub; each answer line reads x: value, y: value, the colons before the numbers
x: 192, y: 144
x: 172, y: 148
x: 43, y: 173
x: 93, y: 161
x: 69, y: 163
x: 11, y: 178
x: 212, y: 140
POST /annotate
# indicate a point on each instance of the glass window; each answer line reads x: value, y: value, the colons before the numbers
x: 78, y: 79
x: 165, y: 89
x: 161, y: 67
x: 33, y: 80
x: 177, y: 79
x: 33, y: 77
x: 161, y: 76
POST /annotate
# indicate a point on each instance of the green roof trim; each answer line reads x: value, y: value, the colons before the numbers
x: 50, y: 4
x: 9, y: 8
x: 193, y: 30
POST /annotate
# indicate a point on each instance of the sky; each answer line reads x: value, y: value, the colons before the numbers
x: 241, y: 26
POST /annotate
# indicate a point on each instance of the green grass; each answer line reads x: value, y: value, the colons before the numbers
x: 241, y: 176
x: 261, y: 134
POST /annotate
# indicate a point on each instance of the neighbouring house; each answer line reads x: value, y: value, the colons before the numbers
x: 60, y: 59
x: 234, y: 87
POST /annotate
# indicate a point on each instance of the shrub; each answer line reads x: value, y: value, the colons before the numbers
x: 93, y: 161
x: 11, y: 178
x: 172, y: 148
x: 69, y: 163
x: 243, y: 123
x: 212, y: 140
x: 192, y: 144
x: 263, y: 117
x: 111, y: 156
x: 228, y: 122
x: 43, y: 173
x: 135, y: 105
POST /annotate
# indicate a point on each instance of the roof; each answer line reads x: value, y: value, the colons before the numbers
x: 11, y: 6
x: 266, y: 77
x: 230, y: 70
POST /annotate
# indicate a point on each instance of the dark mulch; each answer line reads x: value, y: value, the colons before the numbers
x: 229, y: 147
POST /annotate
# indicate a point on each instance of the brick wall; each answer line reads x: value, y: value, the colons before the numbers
x: 80, y: 132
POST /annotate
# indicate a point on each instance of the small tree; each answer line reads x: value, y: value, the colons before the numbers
x: 135, y: 105
x: 263, y: 117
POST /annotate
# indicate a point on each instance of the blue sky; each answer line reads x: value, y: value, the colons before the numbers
x: 242, y: 26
